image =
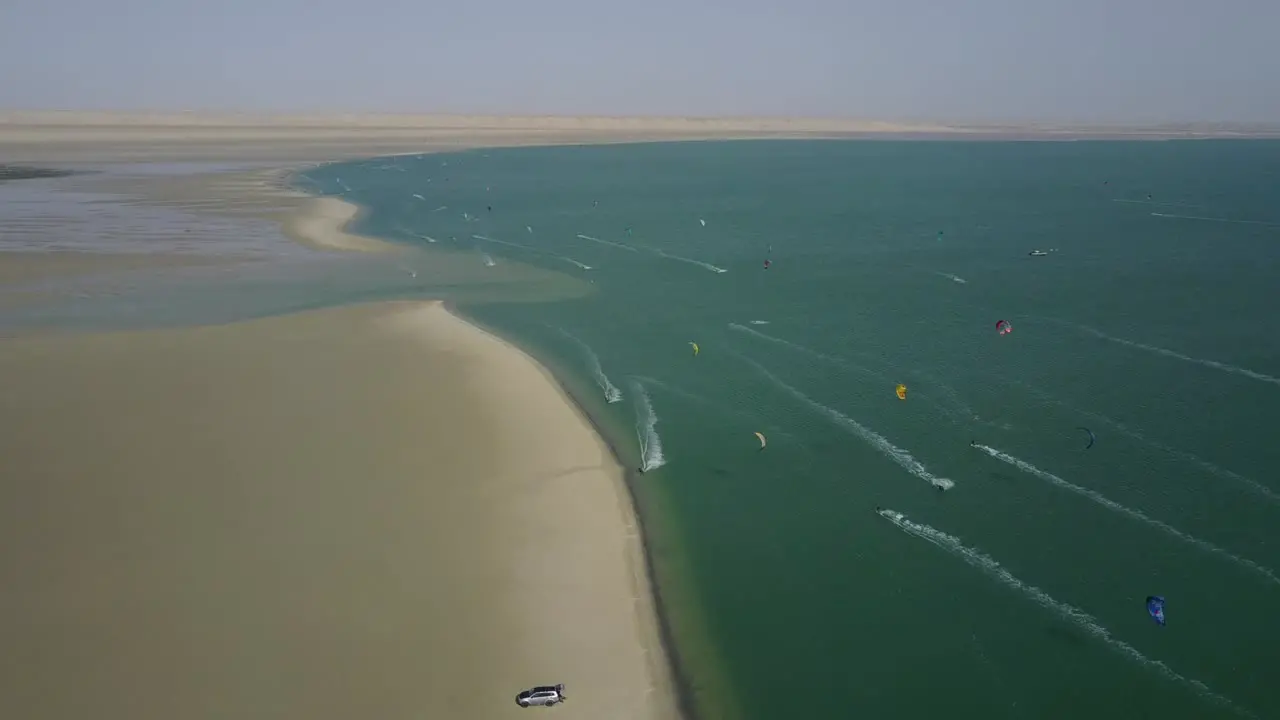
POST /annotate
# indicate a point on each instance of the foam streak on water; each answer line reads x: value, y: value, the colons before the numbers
x: 691, y: 261
x: 841, y: 362
x: 651, y: 456
x: 508, y: 243
x: 1264, y: 223
x: 962, y: 414
x: 1134, y: 434
x: 606, y: 242
x: 1224, y: 367
x: 903, y: 458
x: 1078, y: 617
x: 410, y: 233
x: 611, y: 392
x: 1129, y: 512
x: 735, y: 413
x: 1158, y: 202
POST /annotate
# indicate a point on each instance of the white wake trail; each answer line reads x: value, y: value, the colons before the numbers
x: 1263, y: 223
x: 691, y: 261
x: 611, y: 392
x: 651, y: 456
x: 1136, y: 435
x: 1126, y: 511
x: 531, y: 249
x: 965, y: 413
x: 1078, y: 617
x: 628, y: 248
x: 841, y: 362
x: 1224, y: 367
x: 900, y: 456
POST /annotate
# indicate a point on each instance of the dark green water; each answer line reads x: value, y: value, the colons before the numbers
x: 1019, y: 592
x: 1014, y: 594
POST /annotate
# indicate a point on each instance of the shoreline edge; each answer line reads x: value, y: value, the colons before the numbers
x: 323, y: 225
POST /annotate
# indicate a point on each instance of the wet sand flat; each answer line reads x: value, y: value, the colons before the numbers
x: 23, y: 267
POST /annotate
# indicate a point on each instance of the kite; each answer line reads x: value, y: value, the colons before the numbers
x: 1091, y: 437
x: 1155, y: 608
x: 901, y: 390
x: 762, y: 441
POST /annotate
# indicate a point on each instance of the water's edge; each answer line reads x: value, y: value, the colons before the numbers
x: 677, y: 666
x: 679, y: 678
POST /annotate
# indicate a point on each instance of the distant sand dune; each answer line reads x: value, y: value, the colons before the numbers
x: 469, y: 123
x: 101, y: 136
x: 116, y: 137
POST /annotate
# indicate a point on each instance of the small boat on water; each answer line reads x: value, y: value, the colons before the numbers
x: 1037, y: 253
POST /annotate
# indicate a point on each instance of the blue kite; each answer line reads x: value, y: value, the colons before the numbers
x: 1155, y: 608
x: 1091, y: 437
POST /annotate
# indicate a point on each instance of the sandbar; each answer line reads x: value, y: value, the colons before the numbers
x: 322, y: 222
x: 370, y: 511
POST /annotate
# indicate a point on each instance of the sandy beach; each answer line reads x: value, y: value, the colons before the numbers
x: 371, y: 511
x: 322, y: 223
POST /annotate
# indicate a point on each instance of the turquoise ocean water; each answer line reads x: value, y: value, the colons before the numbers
x: 830, y: 574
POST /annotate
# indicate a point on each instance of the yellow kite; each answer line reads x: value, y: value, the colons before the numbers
x: 694, y: 345
x: 901, y: 390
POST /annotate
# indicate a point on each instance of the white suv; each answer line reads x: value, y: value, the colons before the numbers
x: 546, y: 695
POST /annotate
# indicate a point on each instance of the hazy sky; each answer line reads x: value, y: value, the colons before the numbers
x: 1078, y: 60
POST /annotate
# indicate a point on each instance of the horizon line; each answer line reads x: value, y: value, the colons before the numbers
x: 236, y: 117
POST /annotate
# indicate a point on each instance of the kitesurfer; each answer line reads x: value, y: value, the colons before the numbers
x: 641, y: 468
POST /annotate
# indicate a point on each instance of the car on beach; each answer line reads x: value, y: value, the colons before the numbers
x: 546, y: 695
